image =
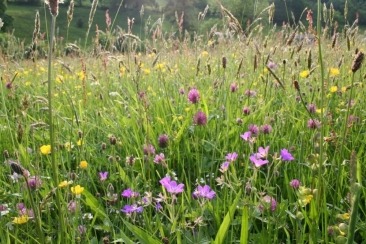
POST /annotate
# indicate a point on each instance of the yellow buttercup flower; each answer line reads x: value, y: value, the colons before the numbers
x: 45, y: 149
x: 204, y: 53
x: 344, y: 216
x: 305, y: 74
x: 64, y: 183
x: 83, y: 164
x: 333, y: 89
x: 80, y: 142
x: 333, y: 72
x: 21, y: 219
x: 77, y: 190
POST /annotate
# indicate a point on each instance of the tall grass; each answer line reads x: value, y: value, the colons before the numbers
x: 228, y: 139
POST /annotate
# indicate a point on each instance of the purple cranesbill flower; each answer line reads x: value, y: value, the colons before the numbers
x: 233, y: 87
x: 262, y: 152
x: 224, y: 166
x: 258, y: 162
x: 313, y: 123
x: 200, y: 118
x: 295, y: 183
x: 193, y: 95
x: 159, y: 158
x: 129, y: 209
x: 247, y: 136
x: 103, y: 175
x: 231, y: 156
x: 204, y: 192
x: 163, y: 141
x: 171, y: 186
x: 128, y: 193
x: 286, y: 155
x: 266, y: 129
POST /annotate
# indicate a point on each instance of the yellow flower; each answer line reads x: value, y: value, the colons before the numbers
x: 333, y: 89
x: 21, y: 219
x: 81, y: 75
x: 343, y: 89
x: 45, y: 149
x: 80, y: 142
x: 68, y: 146
x: 344, y: 216
x: 204, y: 53
x: 146, y: 71
x: 305, y: 74
x: 77, y: 190
x: 333, y: 72
x: 64, y: 183
x: 305, y: 200
x: 122, y: 71
x: 83, y: 164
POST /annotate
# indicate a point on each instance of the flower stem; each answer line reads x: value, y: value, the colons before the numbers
x: 52, y: 133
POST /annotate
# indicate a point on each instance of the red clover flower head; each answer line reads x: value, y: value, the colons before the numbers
x: 200, y: 118
x: 313, y: 124
x: 266, y: 129
x: 295, y: 183
x: 233, y: 87
x: 163, y: 141
x: 193, y: 95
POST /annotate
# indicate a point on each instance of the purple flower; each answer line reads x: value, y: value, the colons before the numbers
x: 271, y: 65
x: 163, y: 141
x: 231, y: 156
x: 233, y: 87
x: 181, y: 90
x: 34, y: 182
x: 254, y: 129
x: 159, y: 158
x: 129, y: 209
x: 313, y: 123
x: 158, y: 206
x: 103, y: 175
x: 246, y: 136
x: 246, y: 110
x: 128, y: 193
x: 204, y: 192
x: 250, y: 93
x: 295, y: 183
x: 260, y: 158
x: 270, y: 202
x: 171, y: 186
x: 311, y: 108
x: 71, y: 206
x: 82, y: 229
x: 225, y: 166
x: 149, y: 149
x: 193, y: 95
x: 266, y: 129
x: 200, y: 118
x: 286, y: 156
x: 258, y: 162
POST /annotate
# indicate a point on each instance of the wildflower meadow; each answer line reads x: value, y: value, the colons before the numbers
x: 237, y: 135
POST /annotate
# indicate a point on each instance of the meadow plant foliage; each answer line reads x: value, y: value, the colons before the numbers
x: 223, y: 138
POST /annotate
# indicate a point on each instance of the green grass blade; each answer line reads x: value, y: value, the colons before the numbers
x: 93, y: 203
x: 221, y: 234
x: 244, y: 226
x: 141, y: 234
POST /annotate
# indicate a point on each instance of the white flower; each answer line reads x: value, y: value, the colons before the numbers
x: 1, y: 23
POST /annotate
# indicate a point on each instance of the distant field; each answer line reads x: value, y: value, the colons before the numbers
x: 24, y: 21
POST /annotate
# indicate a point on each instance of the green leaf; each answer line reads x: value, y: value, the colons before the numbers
x: 244, y: 226
x: 141, y: 234
x: 93, y: 203
x: 221, y: 234
x: 124, y: 176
